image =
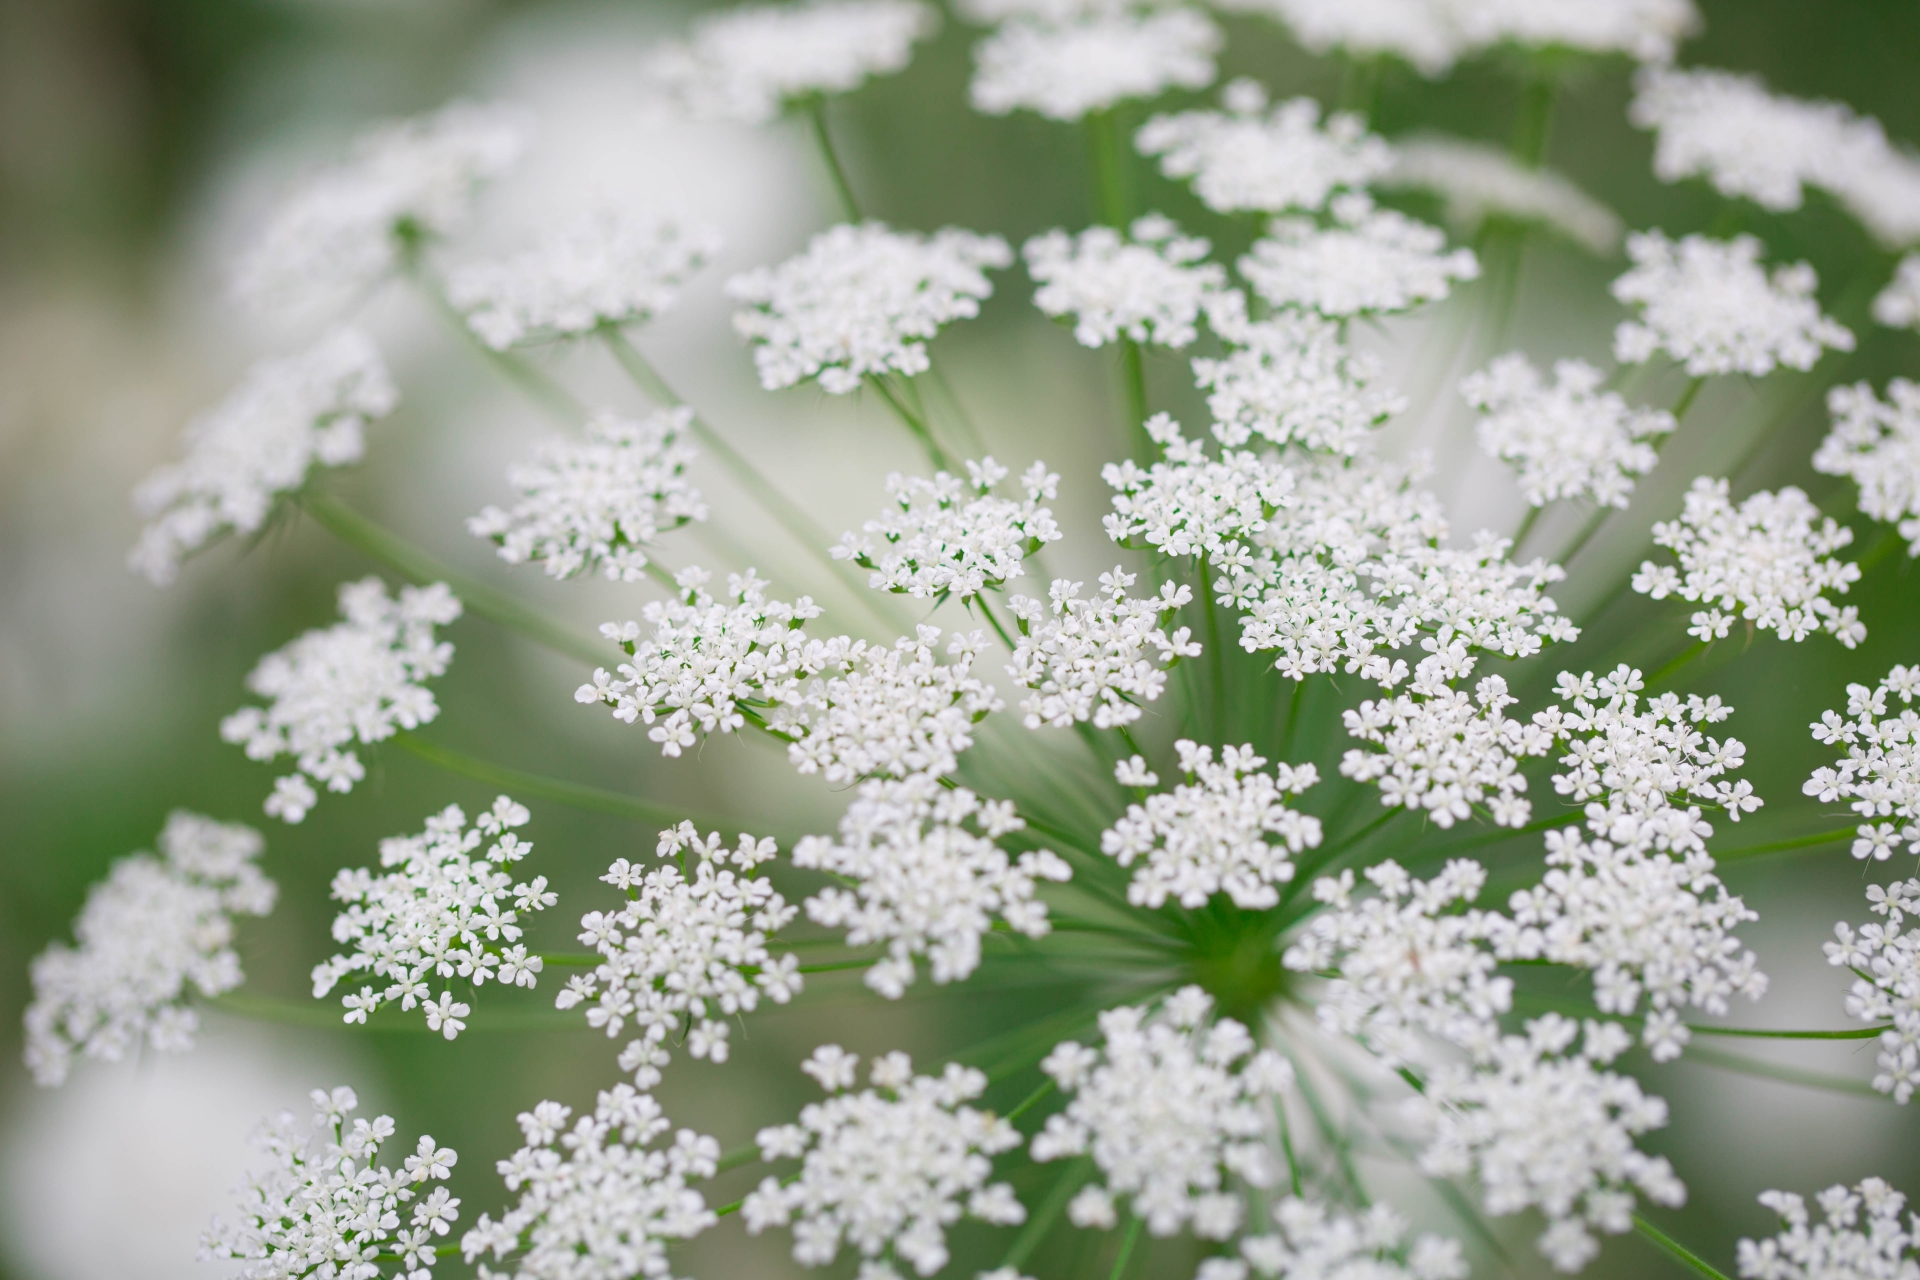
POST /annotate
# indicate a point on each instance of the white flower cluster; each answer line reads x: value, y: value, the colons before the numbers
x: 607, y: 269
x: 155, y: 928
x: 596, y: 505
x: 1086, y: 58
x: 1330, y: 1244
x: 750, y: 63
x: 1844, y: 1247
x: 1712, y: 306
x: 1212, y: 833
x: 326, y: 1208
x: 1249, y: 158
x: 1898, y: 305
x: 1367, y: 261
x: 1418, y: 32
x: 1877, y: 443
x: 610, y: 1206
x: 1476, y: 181
x: 1569, y: 439
x: 1880, y: 774
x: 285, y: 418
x: 1191, y: 504
x: 948, y: 537
x: 703, y: 662
x: 1887, y: 989
x: 1169, y: 1106
x: 861, y: 301
x: 359, y: 680
x: 436, y: 911
x: 346, y: 226
x: 1149, y: 286
x: 1090, y: 659
x: 1766, y: 559
x: 1291, y: 379
x: 887, y: 1169
x: 924, y: 883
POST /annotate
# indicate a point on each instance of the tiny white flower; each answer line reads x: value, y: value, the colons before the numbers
x: 1877, y: 443
x: 1476, y: 181
x: 1847, y: 1243
x: 948, y: 536
x: 1368, y: 261
x: 1096, y: 660
x: 1880, y: 773
x: 1898, y: 305
x: 1150, y: 285
x: 1569, y: 439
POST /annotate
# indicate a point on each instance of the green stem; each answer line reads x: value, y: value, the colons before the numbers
x: 993, y: 621
x: 1526, y: 527
x: 1856, y: 1033
x: 1133, y: 379
x: 545, y: 393
x: 1780, y: 1072
x: 1687, y: 397
x: 745, y: 1153
x: 571, y: 959
x: 920, y: 430
x: 1047, y: 1214
x: 1687, y: 655
x: 1782, y: 846
x: 1030, y: 1101
x: 1534, y: 126
x: 1109, y: 173
x: 1684, y: 1255
x: 1581, y: 539
x: 1126, y: 1248
x: 1359, y: 84
x: 817, y: 113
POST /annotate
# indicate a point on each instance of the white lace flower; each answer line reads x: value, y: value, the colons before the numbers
x: 887, y: 1169
x: 1368, y: 260
x: 1096, y: 659
x: 1886, y: 961
x: 1569, y: 439
x: 284, y: 419
x: 948, y: 537
x: 1246, y: 157
x: 922, y: 882
x: 1314, y: 1240
x: 1712, y: 306
x: 1849, y: 1245
x: 1880, y: 774
x: 1418, y: 32
x: 436, y: 911
x: 607, y: 269
x: 1092, y: 60
x: 1645, y: 30
x: 1898, y: 305
x: 1877, y: 443
x: 1226, y: 829
x: 413, y: 181
x: 1768, y: 560
x: 362, y: 680
x: 1291, y: 379
x: 860, y: 301
x: 1150, y: 286
x: 324, y: 1200
x: 750, y: 63
x: 154, y: 931
x: 610, y: 1206
x: 1190, y: 504
x: 1170, y: 1105
x: 1476, y: 181
x: 596, y: 505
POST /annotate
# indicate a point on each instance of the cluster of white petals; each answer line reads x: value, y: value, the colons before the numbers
x: 359, y: 680
x: 1418, y: 32
x: 1331, y: 1244
x: 436, y: 911
x: 326, y: 1208
x: 951, y: 537
x: 596, y: 505
x: 1089, y: 60
x: 599, y: 1201
x: 1645, y: 30
x: 1246, y: 157
x: 1190, y: 504
x: 1849, y: 1245
x: 1291, y: 379
x: 1886, y: 960
x: 1476, y: 181
x: 888, y: 1169
x: 1768, y: 560
x: 346, y: 226
x: 154, y: 930
x: 1898, y: 305
x: 926, y: 878
x: 750, y: 63
x: 1096, y: 659
x: 1880, y: 774
x: 1149, y: 286
x: 1367, y: 260
x: 285, y: 418
x: 1713, y: 307
x: 1876, y: 443
x: 607, y: 269
x: 861, y: 301
x: 1170, y: 1106
x: 1569, y: 439
x: 1226, y: 829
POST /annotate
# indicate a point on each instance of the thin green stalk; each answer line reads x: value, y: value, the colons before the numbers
x: 1526, y: 527
x: 1127, y: 1244
x: 1133, y: 381
x: 993, y: 621
x: 1533, y: 128
x: 1109, y: 172
x: 817, y: 114
x: 545, y: 393
x: 1687, y: 397
x: 836, y: 966
x: 1780, y: 1072
x: 1030, y: 1101
x: 571, y: 959
x: 1359, y: 84
x: 1782, y: 846
x: 1852, y: 1033
x: 919, y: 429
x: 1687, y: 655
x: 1581, y: 539
x: 1046, y: 1214
x: 1680, y: 1252
x: 745, y: 1153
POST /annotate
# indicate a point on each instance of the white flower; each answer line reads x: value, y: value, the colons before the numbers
x: 1766, y: 560
x: 1089, y: 659
x: 285, y: 418
x: 1645, y: 30
x: 1849, y: 1245
x: 1418, y: 32
x: 1368, y: 260
x: 1331, y: 1244
x: 596, y: 505
x: 1877, y: 443
x: 610, y: 1206
x: 607, y: 269
x: 363, y: 680
x: 888, y: 1169
x: 436, y: 911
x: 1190, y: 504
x: 1880, y: 774
x: 1090, y: 61
x: 1291, y: 379
x: 1886, y: 960
x: 413, y: 181
x: 154, y: 931
x: 324, y: 1207
x: 860, y: 301
x: 1149, y: 286
x: 1476, y: 181
x: 1169, y: 1106
x: 946, y: 536
x: 750, y: 63
x: 1898, y: 305
x: 922, y: 882
x: 1711, y: 305
x: 1567, y: 440
x: 1215, y: 833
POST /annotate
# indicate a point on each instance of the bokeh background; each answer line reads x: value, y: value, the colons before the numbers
x: 138, y: 142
